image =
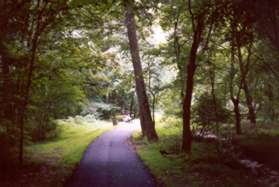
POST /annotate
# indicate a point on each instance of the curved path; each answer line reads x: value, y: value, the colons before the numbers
x: 111, y: 162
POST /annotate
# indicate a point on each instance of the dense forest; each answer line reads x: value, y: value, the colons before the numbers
x: 208, y: 68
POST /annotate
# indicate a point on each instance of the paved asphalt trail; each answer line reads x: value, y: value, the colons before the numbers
x: 111, y: 162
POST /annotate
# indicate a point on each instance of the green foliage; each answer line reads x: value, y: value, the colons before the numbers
x: 171, y: 103
x: 208, y: 111
x: 101, y: 110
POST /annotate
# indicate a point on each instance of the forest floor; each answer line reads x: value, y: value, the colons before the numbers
x: 206, y: 166
x: 51, y: 163
x: 262, y: 145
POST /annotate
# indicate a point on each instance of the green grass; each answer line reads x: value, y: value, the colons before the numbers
x: 69, y: 146
x: 203, y: 168
x: 51, y: 163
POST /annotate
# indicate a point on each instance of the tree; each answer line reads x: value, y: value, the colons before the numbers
x: 235, y: 97
x: 198, y: 27
x: 147, y: 125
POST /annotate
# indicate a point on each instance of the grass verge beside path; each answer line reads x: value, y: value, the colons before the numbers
x: 51, y: 163
x: 203, y: 168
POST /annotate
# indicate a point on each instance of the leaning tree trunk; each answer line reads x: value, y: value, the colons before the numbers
x: 147, y: 125
x: 191, y: 67
x: 131, y: 105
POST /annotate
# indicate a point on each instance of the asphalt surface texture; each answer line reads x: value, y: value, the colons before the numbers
x: 111, y: 161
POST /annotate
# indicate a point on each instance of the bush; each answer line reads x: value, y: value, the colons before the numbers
x: 44, y: 130
x: 208, y: 112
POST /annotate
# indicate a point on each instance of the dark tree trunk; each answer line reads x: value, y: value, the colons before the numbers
x: 187, y: 134
x: 237, y: 116
x: 271, y: 109
x: 144, y: 109
x: 249, y: 102
x: 177, y: 48
x: 235, y: 99
x: 244, y: 70
x: 191, y: 67
x: 26, y: 91
x: 7, y: 95
x: 132, y: 106
x: 153, y: 107
x: 6, y: 91
x: 213, y: 94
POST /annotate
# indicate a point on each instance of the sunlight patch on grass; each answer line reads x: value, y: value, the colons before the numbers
x: 72, y: 141
x: 59, y: 156
x: 173, y: 168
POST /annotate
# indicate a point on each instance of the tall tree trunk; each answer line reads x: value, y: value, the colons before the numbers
x: 187, y: 134
x: 6, y: 91
x: 191, y: 67
x: 131, y: 108
x: 271, y: 109
x: 237, y: 116
x: 213, y: 94
x: 177, y: 48
x: 144, y: 109
x: 244, y: 70
x: 249, y: 103
x: 26, y: 95
x: 235, y: 99
x: 7, y: 95
x: 26, y: 90
x: 153, y: 109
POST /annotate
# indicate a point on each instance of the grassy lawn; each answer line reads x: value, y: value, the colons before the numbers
x: 51, y: 163
x: 203, y: 168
